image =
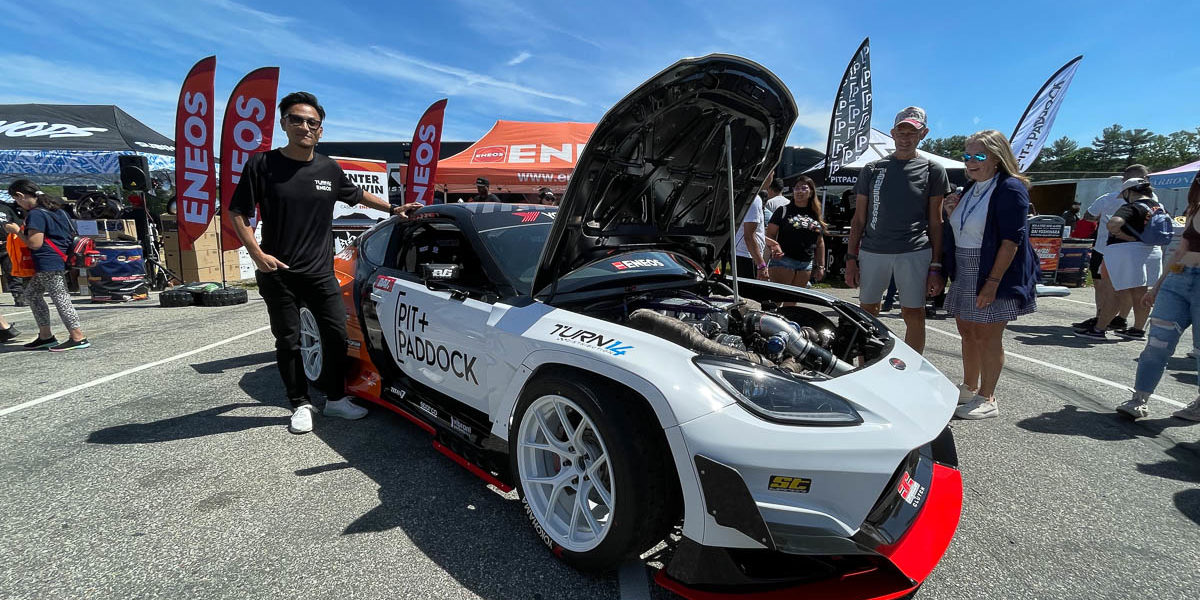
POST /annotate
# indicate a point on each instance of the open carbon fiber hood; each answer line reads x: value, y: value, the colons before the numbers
x: 653, y: 174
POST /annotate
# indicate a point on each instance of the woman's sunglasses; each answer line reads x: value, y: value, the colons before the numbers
x: 975, y: 157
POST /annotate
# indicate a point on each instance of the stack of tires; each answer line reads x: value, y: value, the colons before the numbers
x: 202, y: 294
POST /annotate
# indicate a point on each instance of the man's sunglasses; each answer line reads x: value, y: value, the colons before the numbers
x: 975, y: 157
x: 298, y: 120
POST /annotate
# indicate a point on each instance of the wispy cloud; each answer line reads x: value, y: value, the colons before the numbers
x: 518, y: 59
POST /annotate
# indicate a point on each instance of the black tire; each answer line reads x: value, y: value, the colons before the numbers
x: 174, y: 298
x: 220, y: 297
x: 645, y: 486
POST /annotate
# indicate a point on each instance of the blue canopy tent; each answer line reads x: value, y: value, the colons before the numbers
x: 71, y: 144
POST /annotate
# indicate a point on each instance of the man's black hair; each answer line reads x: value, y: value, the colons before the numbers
x: 777, y: 186
x: 295, y: 98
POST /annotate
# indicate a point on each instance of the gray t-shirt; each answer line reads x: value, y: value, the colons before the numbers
x: 898, y: 193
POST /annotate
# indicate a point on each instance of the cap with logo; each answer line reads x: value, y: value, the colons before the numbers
x: 913, y: 115
x: 482, y: 181
x: 545, y: 192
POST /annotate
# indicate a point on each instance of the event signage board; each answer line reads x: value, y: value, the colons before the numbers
x: 850, y: 125
x: 1033, y: 129
x: 195, y: 165
x: 423, y: 156
x: 370, y: 176
x: 245, y: 130
x: 1045, y: 235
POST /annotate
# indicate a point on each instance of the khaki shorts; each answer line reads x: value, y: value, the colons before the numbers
x: 910, y: 269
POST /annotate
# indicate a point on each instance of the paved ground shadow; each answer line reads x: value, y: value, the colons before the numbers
x: 213, y: 367
x: 1053, y: 335
x: 210, y: 421
x: 1106, y: 427
x: 1188, y: 503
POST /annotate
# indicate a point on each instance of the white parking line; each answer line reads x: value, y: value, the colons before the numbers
x: 108, y: 378
x: 634, y: 585
x: 1069, y: 300
x: 1043, y: 363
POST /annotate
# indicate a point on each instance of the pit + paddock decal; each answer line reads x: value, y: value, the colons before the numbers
x: 411, y: 322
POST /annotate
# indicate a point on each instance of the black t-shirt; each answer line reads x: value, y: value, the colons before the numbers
x: 488, y: 198
x: 7, y: 215
x: 799, y: 231
x: 295, y: 199
x: 1136, y: 214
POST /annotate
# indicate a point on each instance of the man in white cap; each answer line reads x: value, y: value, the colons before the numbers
x: 897, y: 227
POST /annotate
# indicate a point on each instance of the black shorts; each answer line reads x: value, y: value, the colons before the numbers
x: 1094, y: 264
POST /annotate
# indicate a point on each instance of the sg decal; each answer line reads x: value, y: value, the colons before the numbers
x: 910, y: 490
x: 590, y: 339
x: 783, y: 483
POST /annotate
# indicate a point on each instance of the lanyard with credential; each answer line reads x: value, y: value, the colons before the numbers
x: 966, y: 213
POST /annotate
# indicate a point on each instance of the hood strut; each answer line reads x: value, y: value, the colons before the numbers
x: 732, y: 211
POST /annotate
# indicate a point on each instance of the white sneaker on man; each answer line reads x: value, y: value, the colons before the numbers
x: 301, y: 421
x: 965, y: 394
x: 344, y: 408
x: 978, y: 408
x: 1190, y: 412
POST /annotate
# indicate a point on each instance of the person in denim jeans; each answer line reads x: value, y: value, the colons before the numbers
x: 1176, y: 301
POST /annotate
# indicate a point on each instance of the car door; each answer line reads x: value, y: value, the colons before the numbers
x: 436, y: 331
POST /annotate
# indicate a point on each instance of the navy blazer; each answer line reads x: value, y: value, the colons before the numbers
x: 1007, y: 217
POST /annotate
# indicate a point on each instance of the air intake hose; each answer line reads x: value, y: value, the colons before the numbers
x: 808, y: 354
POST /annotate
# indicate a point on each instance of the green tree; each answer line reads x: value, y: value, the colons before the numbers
x: 949, y: 147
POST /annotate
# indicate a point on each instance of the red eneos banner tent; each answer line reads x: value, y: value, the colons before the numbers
x: 517, y: 157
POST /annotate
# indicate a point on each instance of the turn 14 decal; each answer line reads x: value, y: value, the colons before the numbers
x: 590, y: 339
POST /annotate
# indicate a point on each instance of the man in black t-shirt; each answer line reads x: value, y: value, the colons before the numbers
x: 295, y: 189
x: 481, y: 185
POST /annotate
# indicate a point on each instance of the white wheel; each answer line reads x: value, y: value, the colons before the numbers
x: 565, y: 473
x: 310, y: 345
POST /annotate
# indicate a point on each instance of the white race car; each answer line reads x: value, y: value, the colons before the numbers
x: 592, y: 357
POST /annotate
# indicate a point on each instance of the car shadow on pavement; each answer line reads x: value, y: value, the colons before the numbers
x: 479, y: 537
x: 1053, y: 335
x: 213, y: 367
x: 210, y: 421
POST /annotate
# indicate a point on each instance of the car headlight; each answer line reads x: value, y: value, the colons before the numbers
x: 778, y: 397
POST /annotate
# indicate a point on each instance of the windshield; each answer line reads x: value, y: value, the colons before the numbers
x: 516, y: 250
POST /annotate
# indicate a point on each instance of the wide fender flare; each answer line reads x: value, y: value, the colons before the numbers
x: 539, y: 358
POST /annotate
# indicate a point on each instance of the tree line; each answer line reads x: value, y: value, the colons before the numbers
x: 1110, y: 152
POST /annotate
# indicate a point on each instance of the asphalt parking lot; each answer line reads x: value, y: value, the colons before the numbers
x: 157, y: 465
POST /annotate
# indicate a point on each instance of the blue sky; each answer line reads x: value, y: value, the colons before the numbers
x: 376, y: 65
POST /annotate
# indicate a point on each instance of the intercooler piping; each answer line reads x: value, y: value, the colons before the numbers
x: 797, y: 346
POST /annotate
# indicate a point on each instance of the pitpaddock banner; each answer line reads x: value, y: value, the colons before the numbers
x: 246, y: 129
x: 371, y: 177
x: 850, y: 125
x: 423, y: 157
x: 195, y: 167
x: 1034, y: 127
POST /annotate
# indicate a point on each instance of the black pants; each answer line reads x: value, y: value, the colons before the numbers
x: 285, y: 293
x: 12, y: 285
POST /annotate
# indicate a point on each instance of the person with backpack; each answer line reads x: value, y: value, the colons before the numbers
x: 49, y: 235
x: 1175, y: 297
x: 1137, y: 232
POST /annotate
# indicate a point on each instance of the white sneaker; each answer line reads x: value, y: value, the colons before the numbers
x: 965, y: 394
x: 344, y: 408
x: 301, y: 421
x: 1134, y: 408
x: 1191, y: 412
x: 978, y: 408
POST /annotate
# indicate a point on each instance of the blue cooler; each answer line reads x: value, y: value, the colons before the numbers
x: 120, y: 274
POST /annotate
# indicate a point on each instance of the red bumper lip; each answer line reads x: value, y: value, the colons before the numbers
x: 914, y: 556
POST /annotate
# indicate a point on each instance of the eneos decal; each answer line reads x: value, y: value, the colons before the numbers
x: 489, y: 154
x: 637, y: 263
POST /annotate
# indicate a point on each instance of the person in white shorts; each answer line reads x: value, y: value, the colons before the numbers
x: 897, y: 227
x: 1131, y: 265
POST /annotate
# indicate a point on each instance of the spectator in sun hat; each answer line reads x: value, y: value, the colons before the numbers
x: 546, y: 197
x: 481, y: 186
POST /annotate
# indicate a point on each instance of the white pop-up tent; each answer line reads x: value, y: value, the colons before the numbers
x: 880, y: 146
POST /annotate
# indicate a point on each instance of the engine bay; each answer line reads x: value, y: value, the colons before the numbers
x: 807, y: 337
